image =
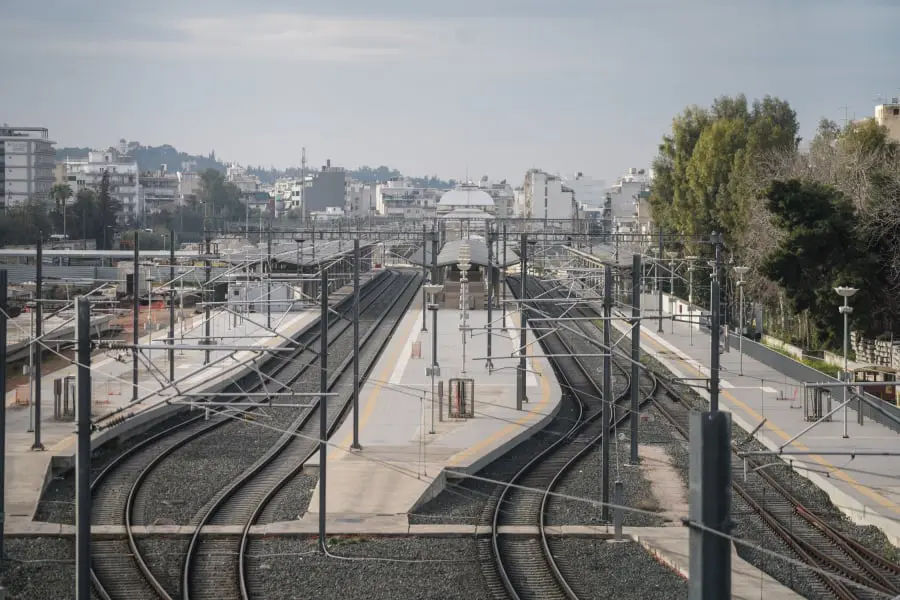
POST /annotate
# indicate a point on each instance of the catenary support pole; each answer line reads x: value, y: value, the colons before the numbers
x: 135, y: 316
x: 4, y: 308
x: 710, y: 505
x: 207, y: 300
x: 36, y: 346
x: 635, y: 354
x: 83, y: 453
x: 489, y: 272
x: 523, y: 340
x: 434, y: 279
x: 607, y: 386
x: 323, y: 406
x: 503, y: 282
x: 356, y: 259
x: 714, y: 326
x: 659, y: 281
x: 269, y: 274
x: 172, y: 305
x: 424, y: 276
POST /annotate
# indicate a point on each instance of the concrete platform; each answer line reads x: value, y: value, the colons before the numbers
x: 865, y: 488
x: 402, y: 464
x: 28, y: 471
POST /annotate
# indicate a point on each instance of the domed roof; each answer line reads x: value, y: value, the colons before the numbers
x: 468, y: 196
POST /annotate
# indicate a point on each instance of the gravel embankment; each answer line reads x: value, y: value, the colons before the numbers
x: 584, y: 480
x: 621, y: 570
x: 165, y: 557
x: 291, y: 501
x: 283, y: 568
x: 57, y: 504
x: 39, y: 569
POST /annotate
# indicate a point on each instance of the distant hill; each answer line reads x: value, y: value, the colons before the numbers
x: 149, y: 158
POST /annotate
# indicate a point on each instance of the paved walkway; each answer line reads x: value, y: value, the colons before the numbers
x: 866, y: 488
x: 402, y: 464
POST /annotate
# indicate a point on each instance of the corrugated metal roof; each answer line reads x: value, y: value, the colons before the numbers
x: 478, y: 254
x: 287, y: 253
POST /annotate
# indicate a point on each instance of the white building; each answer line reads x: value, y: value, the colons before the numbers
x: 237, y: 175
x: 399, y: 198
x: 124, y: 183
x: 503, y: 195
x: 629, y: 208
x: 362, y: 199
x: 545, y: 197
x: 888, y: 116
x: 26, y: 165
x: 589, y: 192
x: 159, y: 190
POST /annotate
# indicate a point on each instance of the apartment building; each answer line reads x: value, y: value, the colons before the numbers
x: 159, y: 190
x: 399, y: 198
x: 888, y: 116
x: 503, y: 195
x: 545, y: 197
x: 124, y: 179
x: 362, y: 199
x: 26, y: 165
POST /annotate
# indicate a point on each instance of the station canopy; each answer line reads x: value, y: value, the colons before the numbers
x: 478, y: 254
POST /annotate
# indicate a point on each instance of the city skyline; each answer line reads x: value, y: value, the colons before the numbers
x: 471, y: 88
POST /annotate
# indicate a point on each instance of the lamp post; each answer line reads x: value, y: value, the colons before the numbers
x: 846, y: 310
x: 433, y: 289
x: 464, y: 266
x: 741, y: 271
x: 672, y: 256
x: 150, y: 321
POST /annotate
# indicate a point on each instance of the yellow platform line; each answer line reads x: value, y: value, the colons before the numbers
x: 375, y: 392
x: 866, y: 491
x: 519, y: 423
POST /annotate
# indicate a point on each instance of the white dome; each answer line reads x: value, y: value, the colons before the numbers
x: 466, y: 197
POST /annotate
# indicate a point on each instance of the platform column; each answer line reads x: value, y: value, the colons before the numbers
x: 356, y: 259
x: 520, y: 374
x: 37, y: 342
x: 172, y: 306
x: 135, y: 317
x: 489, y: 283
x: 715, y: 318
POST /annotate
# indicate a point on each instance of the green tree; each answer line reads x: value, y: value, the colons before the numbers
x: 219, y: 197
x: 60, y: 193
x: 108, y: 209
x: 820, y: 249
x: 702, y: 172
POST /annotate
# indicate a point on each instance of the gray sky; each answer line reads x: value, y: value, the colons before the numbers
x: 429, y: 86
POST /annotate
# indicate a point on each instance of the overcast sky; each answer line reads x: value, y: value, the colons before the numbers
x: 430, y: 86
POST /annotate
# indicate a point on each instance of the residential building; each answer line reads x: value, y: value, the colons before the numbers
x: 159, y: 190
x: 361, y: 198
x: 328, y: 188
x: 124, y: 182
x: 26, y: 164
x: 589, y: 192
x: 545, y: 197
x: 629, y: 208
x: 888, y: 116
x: 237, y: 175
x: 189, y: 185
x: 503, y: 195
x: 398, y: 197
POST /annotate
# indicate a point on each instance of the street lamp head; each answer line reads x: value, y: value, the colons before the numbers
x: 299, y: 240
x: 433, y: 288
x: 846, y: 291
x: 741, y: 271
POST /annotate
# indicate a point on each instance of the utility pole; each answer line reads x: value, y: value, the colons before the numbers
x: 36, y: 343
x: 269, y: 273
x: 83, y: 453
x: 207, y: 296
x: 714, y: 325
x: 607, y: 387
x: 135, y: 316
x: 710, y: 506
x: 356, y: 258
x: 424, y: 276
x: 635, y: 353
x: 172, y: 306
x: 323, y: 407
x: 4, y: 310
x: 520, y: 375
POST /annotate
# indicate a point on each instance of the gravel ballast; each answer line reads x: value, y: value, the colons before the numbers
x: 291, y: 501
x: 621, y: 570
x: 287, y: 568
x: 39, y: 569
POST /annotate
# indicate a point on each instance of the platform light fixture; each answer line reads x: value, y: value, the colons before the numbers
x: 846, y: 293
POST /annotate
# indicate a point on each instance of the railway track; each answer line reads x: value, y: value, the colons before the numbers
x: 523, y: 566
x: 837, y: 557
x: 119, y: 570
x: 216, y: 568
